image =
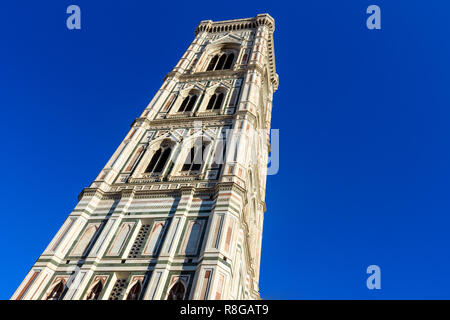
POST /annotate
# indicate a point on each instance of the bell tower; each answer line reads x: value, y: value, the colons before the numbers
x: 177, y: 212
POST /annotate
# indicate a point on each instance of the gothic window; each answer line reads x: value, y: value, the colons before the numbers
x: 215, y: 102
x: 154, y: 239
x: 158, y: 161
x: 121, y: 238
x: 188, y: 103
x: 212, y: 63
x: 194, y: 158
x: 229, y: 61
x: 244, y: 58
x: 95, y: 291
x: 219, y: 153
x: 63, y: 234
x: 221, y: 61
x: 193, y: 64
x: 56, y: 292
x: 177, y: 292
x: 85, y: 240
x: 135, y: 291
x: 192, y: 238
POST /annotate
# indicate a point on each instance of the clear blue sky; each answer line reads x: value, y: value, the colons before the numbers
x: 363, y: 116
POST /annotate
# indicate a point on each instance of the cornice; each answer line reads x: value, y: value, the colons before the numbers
x: 274, y: 76
x: 135, y: 191
x: 212, y: 75
x: 236, y: 24
x: 179, y: 122
x: 91, y: 192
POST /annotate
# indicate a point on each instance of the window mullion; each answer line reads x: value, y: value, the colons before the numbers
x: 187, y: 103
x: 157, y: 162
x: 215, y: 65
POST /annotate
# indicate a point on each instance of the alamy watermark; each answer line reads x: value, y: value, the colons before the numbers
x: 199, y: 146
x: 374, y: 20
x: 374, y: 280
x: 74, y: 20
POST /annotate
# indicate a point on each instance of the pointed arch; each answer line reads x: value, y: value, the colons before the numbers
x: 95, y: 292
x: 163, y: 160
x: 154, y: 239
x: 193, y: 154
x: 221, y: 62
x: 156, y: 157
x: 219, y: 100
x: 215, y: 102
x: 57, y: 291
x: 86, y: 240
x: 212, y: 63
x: 159, y: 160
x: 211, y: 102
x: 135, y: 291
x: 120, y: 239
x: 189, y: 102
x: 154, y: 161
x: 229, y: 61
x: 193, y: 237
x: 184, y: 104
x: 177, y: 291
x: 194, y: 158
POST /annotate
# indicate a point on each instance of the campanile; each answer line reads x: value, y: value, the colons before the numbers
x: 177, y: 212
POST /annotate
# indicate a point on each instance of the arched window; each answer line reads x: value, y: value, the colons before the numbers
x: 191, y: 103
x: 158, y: 161
x: 95, y: 291
x: 154, y: 239
x: 212, y: 63
x: 177, y: 292
x: 57, y: 291
x: 194, y: 158
x: 119, y: 241
x: 221, y: 61
x: 215, y: 102
x: 135, y: 291
x: 229, y: 61
x: 184, y: 104
x: 194, y: 236
x: 86, y: 239
x: 188, y: 103
x: 244, y: 58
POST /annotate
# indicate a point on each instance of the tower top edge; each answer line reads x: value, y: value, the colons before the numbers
x: 263, y: 19
x: 260, y: 19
